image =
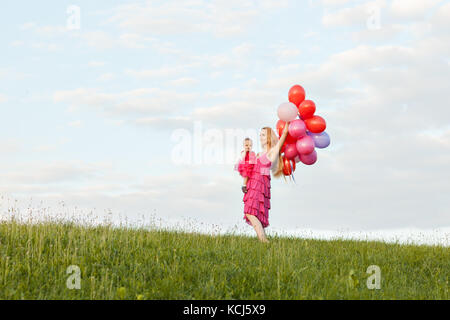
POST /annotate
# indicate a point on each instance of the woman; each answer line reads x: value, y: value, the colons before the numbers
x: 257, y: 198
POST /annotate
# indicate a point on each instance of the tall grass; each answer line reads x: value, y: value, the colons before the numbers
x: 133, y: 263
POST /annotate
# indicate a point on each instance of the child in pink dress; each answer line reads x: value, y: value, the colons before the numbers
x: 246, y: 162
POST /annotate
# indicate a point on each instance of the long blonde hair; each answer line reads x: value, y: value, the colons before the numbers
x: 272, y: 140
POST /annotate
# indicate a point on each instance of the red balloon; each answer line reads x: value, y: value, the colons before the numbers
x: 290, y: 139
x: 316, y: 124
x: 280, y: 127
x: 290, y: 151
x: 287, y: 170
x: 297, y: 95
x: 307, y: 109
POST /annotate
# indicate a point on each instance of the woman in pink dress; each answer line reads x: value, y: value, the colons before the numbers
x: 257, y: 198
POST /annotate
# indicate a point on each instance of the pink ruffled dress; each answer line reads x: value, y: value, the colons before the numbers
x: 245, y: 166
x: 257, y: 199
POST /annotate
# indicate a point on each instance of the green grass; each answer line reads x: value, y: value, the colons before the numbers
x: 125, y: 263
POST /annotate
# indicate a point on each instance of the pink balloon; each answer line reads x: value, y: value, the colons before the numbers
x: 287, y: 111
x: 309, y: 159
x: 290, y: 151
x: 305, y: 145
x: 297, y: 129
x: 297, y: 159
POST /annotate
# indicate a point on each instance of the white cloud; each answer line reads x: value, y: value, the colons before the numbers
x: 411, y: 9
x: 12, y: 73
x: 43, y: 173
x: 17, y: 43
x: 441, y: 18
x: 334, y: 2
x: 50, y: 31
x: 75, y: 124
x: 381, y: 35
x: 236, y: 58
x: 311, y: 34
x: 96, y: 64
x: 44, y: 148
x: 106, y: 77
x: 140, y: 101
x: 181, y: 82
x: 27, y: 26
x: 9, y: 146
x: 243, y: 49
x: 222, y: 18
x: 165, y: 123
x: 3, y: 98
x: 285, y: 52
x: 97, y: 38
x: 52, y: 47
x: 163, y: 71
x: 239, y: 108
x: 215, y: 74
x: 64, y: 181
x: 131, y: 40
x: 356, y: 15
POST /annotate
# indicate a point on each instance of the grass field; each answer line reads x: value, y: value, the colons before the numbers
x: 125, y: 263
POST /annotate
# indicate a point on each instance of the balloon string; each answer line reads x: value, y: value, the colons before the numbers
x: 292, y: 172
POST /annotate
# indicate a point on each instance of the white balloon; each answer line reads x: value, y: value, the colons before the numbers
x: 287, y: 111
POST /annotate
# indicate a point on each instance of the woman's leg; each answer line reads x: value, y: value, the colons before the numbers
x: 258, y: 227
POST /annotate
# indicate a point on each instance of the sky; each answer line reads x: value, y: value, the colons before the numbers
x: 139, y: 108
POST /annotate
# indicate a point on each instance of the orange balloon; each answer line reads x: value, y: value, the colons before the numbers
x: 280, y: 127
x: 307, y: 109
x: 296, y: 95
x: 316, y: 124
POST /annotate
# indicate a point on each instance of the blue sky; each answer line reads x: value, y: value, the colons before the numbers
x: 88, y: 114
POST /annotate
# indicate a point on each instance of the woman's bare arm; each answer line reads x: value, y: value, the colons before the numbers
x: 273, y: 153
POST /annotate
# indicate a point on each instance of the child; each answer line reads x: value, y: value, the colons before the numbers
x: 246, y: 162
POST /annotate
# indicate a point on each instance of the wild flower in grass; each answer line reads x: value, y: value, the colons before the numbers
x: 121, y: 292
x: 352, y: 279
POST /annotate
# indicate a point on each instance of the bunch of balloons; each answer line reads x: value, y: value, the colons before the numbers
x: 306, y: 130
